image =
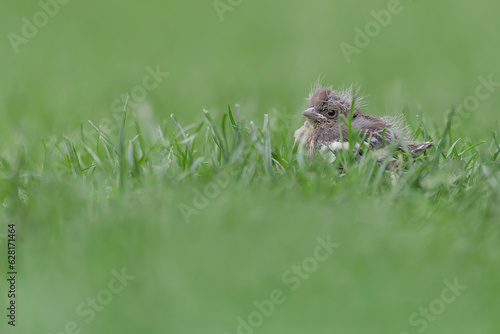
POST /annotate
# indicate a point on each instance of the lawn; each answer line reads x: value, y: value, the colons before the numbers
x: 148, y: 163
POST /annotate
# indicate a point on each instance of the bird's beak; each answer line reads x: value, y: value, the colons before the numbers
x: 313, y: 114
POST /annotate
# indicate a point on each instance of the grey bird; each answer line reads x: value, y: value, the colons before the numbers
x: 321, y: 129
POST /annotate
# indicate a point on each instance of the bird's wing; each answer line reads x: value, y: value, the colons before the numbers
x: 379, y: 132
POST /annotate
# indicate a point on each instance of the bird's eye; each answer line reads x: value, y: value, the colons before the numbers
x: 332, y: 113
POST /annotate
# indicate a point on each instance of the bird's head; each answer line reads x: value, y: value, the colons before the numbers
x: 325, y: 105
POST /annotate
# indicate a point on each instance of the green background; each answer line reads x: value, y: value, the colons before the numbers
x: 200, y: 277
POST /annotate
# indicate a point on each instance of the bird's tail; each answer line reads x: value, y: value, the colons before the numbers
x: 418, y: 148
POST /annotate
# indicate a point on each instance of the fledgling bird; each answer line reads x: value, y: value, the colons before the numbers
x: 321, y: 129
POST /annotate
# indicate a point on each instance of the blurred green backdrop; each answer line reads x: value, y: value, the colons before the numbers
x: 263, y: 55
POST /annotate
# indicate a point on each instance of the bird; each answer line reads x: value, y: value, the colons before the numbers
x: 325, y: 129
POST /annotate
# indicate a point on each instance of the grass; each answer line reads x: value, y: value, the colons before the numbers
x: 208, y: 217
x: 124, y: 157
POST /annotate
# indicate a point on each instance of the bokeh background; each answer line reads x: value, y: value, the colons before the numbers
x: 264, y: 56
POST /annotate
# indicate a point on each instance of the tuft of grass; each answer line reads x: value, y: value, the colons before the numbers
x: 252, y: 154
